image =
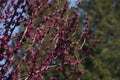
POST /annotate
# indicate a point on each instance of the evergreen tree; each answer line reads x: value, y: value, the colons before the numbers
x: 105, y: 21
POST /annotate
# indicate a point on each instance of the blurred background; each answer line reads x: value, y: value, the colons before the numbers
x: 104, y: 17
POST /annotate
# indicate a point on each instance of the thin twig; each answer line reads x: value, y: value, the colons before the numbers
x: 83, y: 43
x: 24, y: 34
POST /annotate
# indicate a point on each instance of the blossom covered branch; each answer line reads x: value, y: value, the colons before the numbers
x: 48, y: 39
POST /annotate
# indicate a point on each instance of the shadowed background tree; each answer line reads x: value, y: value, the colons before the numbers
x: 105, y: 20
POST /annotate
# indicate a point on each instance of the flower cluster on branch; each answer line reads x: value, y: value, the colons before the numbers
x: 48, y: 39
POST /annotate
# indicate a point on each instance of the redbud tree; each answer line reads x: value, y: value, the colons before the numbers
x: 50, y: 45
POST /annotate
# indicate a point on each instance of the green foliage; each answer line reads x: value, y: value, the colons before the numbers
x: 105, y: 19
